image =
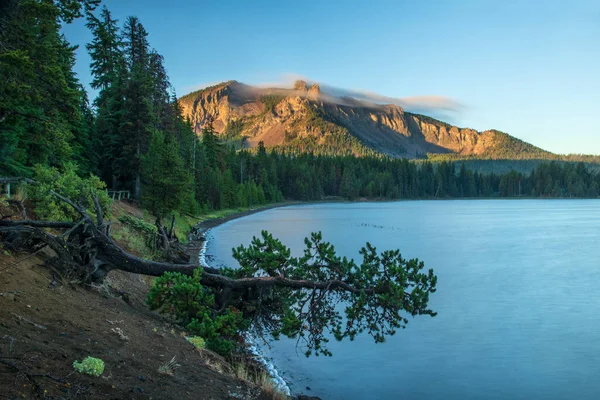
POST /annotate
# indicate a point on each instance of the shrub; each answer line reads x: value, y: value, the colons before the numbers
x: 193, y: 306
x: 89, y: 366
x: 197, y: 341
x: 138, y: 224
x: 70, y: 185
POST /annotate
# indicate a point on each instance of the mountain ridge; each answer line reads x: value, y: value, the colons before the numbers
x: 305, y: 119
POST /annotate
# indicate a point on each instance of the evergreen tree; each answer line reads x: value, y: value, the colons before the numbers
x: 138, y: 115
x: 40, y: 97
x: 167, y: 183
x: 348, y: 187
x: 109, y: 76
x: 164, y: 115
x: 212, y: 146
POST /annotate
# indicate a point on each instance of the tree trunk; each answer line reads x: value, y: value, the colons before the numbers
x: 92, y: 254
x: 86, y: 251
x: 136, y: 191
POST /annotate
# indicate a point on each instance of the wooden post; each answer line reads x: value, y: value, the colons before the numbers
x: 8, y: 190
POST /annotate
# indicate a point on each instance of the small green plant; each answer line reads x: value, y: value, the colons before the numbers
x: 89, y: 366
x: 169, y: 367
x: 197, y: 341
x: 3, y: 250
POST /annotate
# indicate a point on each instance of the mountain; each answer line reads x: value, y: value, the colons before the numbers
x: 305, y: 119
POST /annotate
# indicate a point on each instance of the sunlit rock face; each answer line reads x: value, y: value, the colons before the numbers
x: 290, y: 117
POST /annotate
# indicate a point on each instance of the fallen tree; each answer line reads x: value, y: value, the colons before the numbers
x: 313, y: 297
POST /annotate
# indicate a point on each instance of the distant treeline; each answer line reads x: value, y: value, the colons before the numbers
x: 517, y: 157
x: 133, y: 135
x: 504, y: 166
x: 310, y: 177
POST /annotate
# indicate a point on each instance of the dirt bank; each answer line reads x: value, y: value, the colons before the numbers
x: 45, y: 326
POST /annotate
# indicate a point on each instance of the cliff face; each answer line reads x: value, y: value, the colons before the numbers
x: 294, y: 117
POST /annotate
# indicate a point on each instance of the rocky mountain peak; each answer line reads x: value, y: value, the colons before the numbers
x: 304, y: 116
x: 315, y: 89
x: 301, y: 85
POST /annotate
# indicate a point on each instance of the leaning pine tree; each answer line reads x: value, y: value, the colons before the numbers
x: 313, y: 297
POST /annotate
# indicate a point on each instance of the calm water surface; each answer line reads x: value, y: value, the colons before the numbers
x: 518, y: 298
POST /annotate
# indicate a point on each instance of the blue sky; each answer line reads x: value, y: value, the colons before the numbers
x: 529, y: 68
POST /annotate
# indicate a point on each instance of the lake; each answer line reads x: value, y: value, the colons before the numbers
x: 518, y: 298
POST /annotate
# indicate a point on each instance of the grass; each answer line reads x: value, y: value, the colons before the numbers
x: 261, y: 380
x: 268, y: 387
x: 169, y: 367
x: 131, y: 226
x: 229, y: 211
x: 132, y: 240
x: 242, y: 370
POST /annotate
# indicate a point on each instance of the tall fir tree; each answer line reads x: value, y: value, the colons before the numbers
x: 167, y: 183
x: 40, y: 97
x: 138, y: 120
x: 108, y: 76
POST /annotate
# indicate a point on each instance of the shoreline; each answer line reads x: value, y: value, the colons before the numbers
x: 201, y: 232
x: 202, y: 227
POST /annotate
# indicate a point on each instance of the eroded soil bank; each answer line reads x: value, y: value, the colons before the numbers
x: 46, y: 325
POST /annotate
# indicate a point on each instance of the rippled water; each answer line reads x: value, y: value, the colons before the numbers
x: 518, y: 298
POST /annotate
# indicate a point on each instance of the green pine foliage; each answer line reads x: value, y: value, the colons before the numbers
x: 193, y: 306
x: 402, y: 286
x: 108, y: 76
x: 70, y: 185
x: 40, y: 98
x: 270, y: 101
x: 167, y: 183
x: 309, y: 314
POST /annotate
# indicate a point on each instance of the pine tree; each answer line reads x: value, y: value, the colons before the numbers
x: 167, y: 183
x: 40, y: 97
x: 105, y: 51
x: 348, y: 187
x: 164, y: 116
x: 138, y: 115
x: 109, y: 76
x: 212, y: 147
